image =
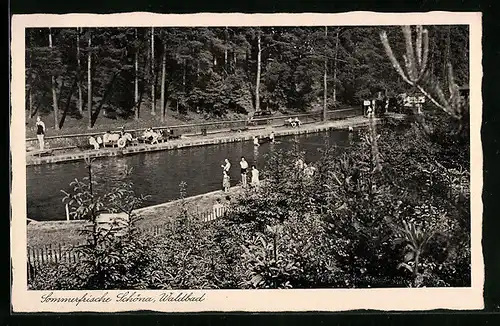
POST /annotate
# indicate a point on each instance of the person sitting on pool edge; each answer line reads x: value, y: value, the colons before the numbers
x: 297, y: 122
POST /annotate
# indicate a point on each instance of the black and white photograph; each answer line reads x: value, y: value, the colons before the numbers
x: 161, y: 161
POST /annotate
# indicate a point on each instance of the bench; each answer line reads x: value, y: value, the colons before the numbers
x: 42, y: 152
x: 111, y: 143
x: 292, y: 124
x: 85, y: 147
x: 240, y: 129
x: 172, y: 134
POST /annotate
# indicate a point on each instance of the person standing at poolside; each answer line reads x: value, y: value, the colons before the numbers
x: 271, y: 137
x: 226, y: 166
x: 226, y: 182
x: 40, y: 132
x: 255, y: 177
x: 244, y: 168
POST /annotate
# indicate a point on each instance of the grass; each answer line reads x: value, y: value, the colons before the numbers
x: 73, y: 125
x: 68, y: 233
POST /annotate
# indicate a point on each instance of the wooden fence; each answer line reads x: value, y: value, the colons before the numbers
x: 74, y: 140
x: 39, y: 256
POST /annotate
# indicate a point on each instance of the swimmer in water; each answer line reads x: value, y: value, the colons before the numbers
x: 256, y: 141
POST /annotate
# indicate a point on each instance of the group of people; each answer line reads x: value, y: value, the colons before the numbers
x: 307, y: 169
x: 369, y: 108
x: 256, y: 139
x: 151, y: 135
x: 294, y: 122
x: 226, y: 180
x: 121, y: 138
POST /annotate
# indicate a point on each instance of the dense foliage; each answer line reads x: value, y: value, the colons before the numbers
x: 405, y: 223
x: 217, y: 70
x: 391, y: 211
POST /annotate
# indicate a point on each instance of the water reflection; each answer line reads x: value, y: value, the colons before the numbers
x: 256, y: 155
x: 159, y: 174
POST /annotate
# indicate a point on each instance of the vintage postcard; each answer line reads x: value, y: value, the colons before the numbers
x: 246, y: 162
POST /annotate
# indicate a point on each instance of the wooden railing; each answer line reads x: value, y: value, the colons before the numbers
x: 39, y: 256
x: 73, y: 140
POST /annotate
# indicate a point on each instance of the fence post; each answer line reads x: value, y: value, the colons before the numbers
x: 67, y: 212
x: 30, y: 276
x: 50, y: 254
x: 60, y: 253
x: 36, y: 258
x: 43, y: 251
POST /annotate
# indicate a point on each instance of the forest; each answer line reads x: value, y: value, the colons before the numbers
x: 89, y: 77
x: 393, y: 210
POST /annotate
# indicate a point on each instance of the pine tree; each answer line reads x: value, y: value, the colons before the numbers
x: 163, y: 73
x: 153, y: 72
x: 416, y: 73
x: 54, y: 91
x: 136, y: 77
x: 325, y: 91
x: 80, y: 98
x: 89, y: 79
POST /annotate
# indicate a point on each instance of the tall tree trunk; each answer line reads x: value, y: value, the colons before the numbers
x: 89, y: 81
x: 163, y: 73
x: 136, y: 81
x: 153, y: 76
x: 30, y: 83
x: 257, y: 82
x: 30, y: 102
x: 324, y: 78
x: 54, y: 93
x: 225, y: 47
x: 184, y: 76
x: 447, y: 55
x: 335, y: 68
x: 79, y: 64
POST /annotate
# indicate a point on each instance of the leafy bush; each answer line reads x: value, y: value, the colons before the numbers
x: 391, y: 211
x: 111, y: 258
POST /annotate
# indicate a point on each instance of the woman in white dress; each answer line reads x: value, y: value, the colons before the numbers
x: 255, y: 177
